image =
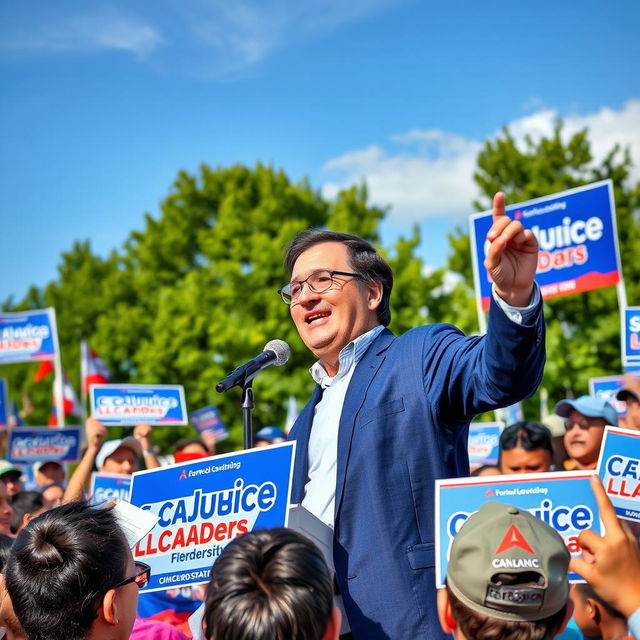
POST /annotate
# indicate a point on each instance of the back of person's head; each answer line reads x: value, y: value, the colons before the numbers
x: 506, y: 578
x: 525, y: 447
x: 363, y: 257
x: 270, y: 584
x: 61, y: 566
x: 25, y: 505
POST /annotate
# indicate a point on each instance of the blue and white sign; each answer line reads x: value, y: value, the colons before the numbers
x: 484, y: 443
x: 208, y: 421
x: 563, y: 500
x: 204, y: 504
x: 27, y: 446
x: 607, y: 387
x: 619, y: 470
x: 4, y: 403
x: 28, y: 335
x: 631, y: 337
x: 109, y: 486
x: 158, y: 404
x: 576, y: 231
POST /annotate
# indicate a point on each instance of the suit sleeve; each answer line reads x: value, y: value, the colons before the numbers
x: 470, y: 375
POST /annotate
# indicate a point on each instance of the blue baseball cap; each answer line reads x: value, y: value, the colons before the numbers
x: 589, y: 406
x: 270, y: 434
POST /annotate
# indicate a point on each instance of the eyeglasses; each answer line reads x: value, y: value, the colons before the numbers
x: 318, y: 282
x: 140, y: 577
x: 583, y: 424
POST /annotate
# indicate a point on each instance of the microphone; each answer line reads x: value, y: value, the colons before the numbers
x: 275, y: 352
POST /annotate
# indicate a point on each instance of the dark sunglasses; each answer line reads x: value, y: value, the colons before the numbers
x: 140, y: 577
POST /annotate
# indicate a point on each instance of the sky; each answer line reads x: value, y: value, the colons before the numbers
x: 102, y: 103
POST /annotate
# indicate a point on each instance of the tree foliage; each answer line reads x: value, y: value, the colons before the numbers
x: 193, y: 294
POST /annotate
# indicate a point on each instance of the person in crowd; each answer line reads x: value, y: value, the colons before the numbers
x: 389, y: 415
x: 113, y: 456
x: 611, y: 563
x: 71, y: 576
x: 53, y: 495
x: 11, y: 477
x: 525, y: 447
x: 585, y: 420
x: 486, y: 470
x: 594, y: 617
x: 49, y: 472
x: 270, y: 584
x: 26, y: 505
x: 556, y: 426
x: 5, y: 511
x: 269, y: 435
x: 190, y: 449
x: 507, y: 578
x: 630, y: 395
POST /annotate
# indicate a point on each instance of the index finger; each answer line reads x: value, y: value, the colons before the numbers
x: 607, y: 512
x: 498, y: 206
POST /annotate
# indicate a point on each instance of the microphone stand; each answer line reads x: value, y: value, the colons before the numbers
x: 248, y: 404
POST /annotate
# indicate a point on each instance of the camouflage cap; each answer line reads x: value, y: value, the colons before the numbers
x: 507, y: 564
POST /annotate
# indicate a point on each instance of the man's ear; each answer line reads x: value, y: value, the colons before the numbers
x: 593, y: 610
x: 109, y: 608
x: 447, y: 622
x: 567, y: 616
x: 333, y: 626
x: 375, y: 291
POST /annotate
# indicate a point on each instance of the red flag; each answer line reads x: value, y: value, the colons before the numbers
x: 94, y: 370
x: 44, y: 369
x: 71, y: 403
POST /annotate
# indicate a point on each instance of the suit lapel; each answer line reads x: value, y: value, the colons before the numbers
x: 363, y: 375
x: 300, y: 433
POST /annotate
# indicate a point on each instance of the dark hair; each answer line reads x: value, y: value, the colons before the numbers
x: 6, y: 542
x: 481, y: 627
x: 60, y: 566
x: 527, y: 436
x: 270, y: 584
x: 363, y: 257
x: 185, y: 442
x: 22, y: 503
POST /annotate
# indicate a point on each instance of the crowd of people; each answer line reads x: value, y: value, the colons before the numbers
x: 389, y: 415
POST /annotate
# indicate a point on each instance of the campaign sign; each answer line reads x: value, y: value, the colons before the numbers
x: 28, y: 335
x: 619, y: 470
x: 207, y: 420
x: 4, y: 403
x: 114, y: 404
x: 631, y: 337
x: 607, y: 387
x: 563, y: 500
x: 576, y: 231
x: 484, y: 443
x: 204, y: 504
x: 27, y: 446
x: 109, y: 486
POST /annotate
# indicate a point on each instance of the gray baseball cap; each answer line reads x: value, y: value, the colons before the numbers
x: 507, y: 564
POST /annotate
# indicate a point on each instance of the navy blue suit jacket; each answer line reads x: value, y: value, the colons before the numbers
x: 405, y: 423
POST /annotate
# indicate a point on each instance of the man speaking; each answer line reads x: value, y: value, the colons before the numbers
x: 390, y: 414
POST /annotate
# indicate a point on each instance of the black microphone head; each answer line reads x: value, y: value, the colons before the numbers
x: 280, y: 348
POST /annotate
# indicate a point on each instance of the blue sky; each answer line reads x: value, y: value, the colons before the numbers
x: 104, y: 102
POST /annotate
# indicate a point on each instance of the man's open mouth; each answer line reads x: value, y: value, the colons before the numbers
x: 316, y: 315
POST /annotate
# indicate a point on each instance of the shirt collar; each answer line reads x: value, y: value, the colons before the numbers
x: 350, y: 355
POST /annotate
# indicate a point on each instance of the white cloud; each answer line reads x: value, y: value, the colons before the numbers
x: 102, y: 29
x: 429, y: 173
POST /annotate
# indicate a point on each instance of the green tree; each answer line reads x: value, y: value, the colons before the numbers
x: 193, y: 294
x: 583, y: 338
